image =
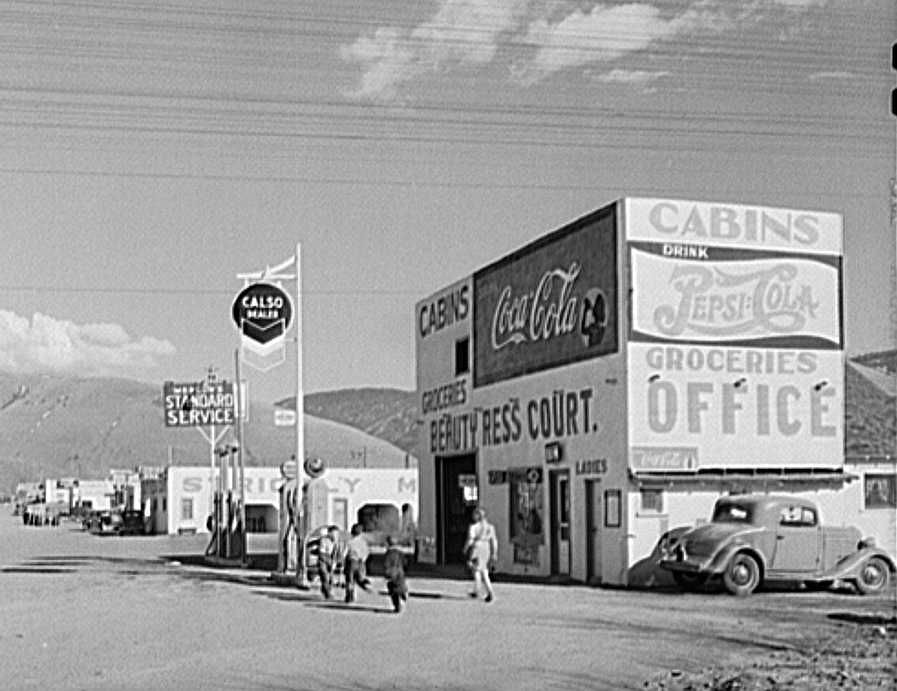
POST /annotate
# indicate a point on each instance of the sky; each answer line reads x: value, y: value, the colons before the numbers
x: 153, y: 151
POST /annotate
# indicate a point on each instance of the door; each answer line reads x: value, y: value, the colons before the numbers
x: 798, y: 539
x: 456, y: 498
x: 559, y: 484
x: 593, y: 531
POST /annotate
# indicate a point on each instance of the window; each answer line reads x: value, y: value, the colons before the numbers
x: 732, y: 513
x: 164, y: 503
x: 379, y: 518
x: 462, y: 356
x: 652, y: 500
x: 797, y: 516
x: 880, y: 491
x: 612, y: 508
x: 186, y: 509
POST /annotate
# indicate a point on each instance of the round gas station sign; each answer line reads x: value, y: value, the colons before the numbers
x: 262, y: 312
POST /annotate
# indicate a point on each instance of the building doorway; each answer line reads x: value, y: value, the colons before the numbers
x: 559, y: 508
x: 593, y: 532
x: 457, y: 493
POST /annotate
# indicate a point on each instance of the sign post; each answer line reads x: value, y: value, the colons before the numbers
x: 210, y: 402
x: 263, y: 311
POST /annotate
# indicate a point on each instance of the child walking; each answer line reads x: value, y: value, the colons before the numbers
x: 357, y: 552
x: 394, y: 567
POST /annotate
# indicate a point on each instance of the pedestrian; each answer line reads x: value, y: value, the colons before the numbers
x: 394, y: 568
x: 328, y: 549
x: 481, y: 550
x: 357, y: 552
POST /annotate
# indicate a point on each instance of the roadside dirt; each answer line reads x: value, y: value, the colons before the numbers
x: 82, y: 612
x: 860, y: 654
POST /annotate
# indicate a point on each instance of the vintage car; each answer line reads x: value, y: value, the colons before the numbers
x: 754, y: 539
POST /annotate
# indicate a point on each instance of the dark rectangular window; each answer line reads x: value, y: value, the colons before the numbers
x: 652, y: 500
x: 880, y: 491
x: 462, y: 356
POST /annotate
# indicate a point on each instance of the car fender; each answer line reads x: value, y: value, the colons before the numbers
x: 721, y: 559
x: 849, y: 566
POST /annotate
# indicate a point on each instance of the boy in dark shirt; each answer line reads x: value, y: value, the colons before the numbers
x: 394, y: 567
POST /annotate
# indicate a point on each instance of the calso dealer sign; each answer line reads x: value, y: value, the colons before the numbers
x: 263, y: 312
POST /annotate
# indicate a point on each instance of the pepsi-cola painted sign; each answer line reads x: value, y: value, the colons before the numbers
x: 263, y: 312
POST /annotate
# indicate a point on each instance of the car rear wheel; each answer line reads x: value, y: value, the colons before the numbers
x: 689, y: 581
x: 874, y: 576
x: 742, y: 575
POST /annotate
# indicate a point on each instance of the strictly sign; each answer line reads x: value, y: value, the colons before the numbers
x: 198, y: 404
x: 696, y: 407
x: 552, y: 303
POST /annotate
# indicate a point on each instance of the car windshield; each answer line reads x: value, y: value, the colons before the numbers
x: 732, y: 513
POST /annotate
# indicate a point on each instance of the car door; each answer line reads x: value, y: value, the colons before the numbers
x: 798, y: 540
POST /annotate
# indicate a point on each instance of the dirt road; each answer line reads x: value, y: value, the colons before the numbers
x: 83, y: 612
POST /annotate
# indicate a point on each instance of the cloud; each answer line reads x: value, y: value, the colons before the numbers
x: 816, y: 76
x: 546, y: 35
x: 463, y: 32
x: 45, y: 344
x: 601, y: 35
x: 630, y: 76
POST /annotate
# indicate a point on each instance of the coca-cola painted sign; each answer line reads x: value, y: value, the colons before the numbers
x: 551, y: 303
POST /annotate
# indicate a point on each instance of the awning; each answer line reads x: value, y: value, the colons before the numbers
x: 741, y: 478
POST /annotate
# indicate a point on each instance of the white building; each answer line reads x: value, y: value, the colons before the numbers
x: 93, y: 494
x: 180, y: 499
x: 611, y: 379
x: 381, y: 499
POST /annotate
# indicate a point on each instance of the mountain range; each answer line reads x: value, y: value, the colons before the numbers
x: 55, y: 426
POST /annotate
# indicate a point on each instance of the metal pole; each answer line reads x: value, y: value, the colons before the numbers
x: 300, y: 431
x: 240, y: 414
x: 213, y: 506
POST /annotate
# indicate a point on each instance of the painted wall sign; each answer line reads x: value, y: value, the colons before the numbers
x: 443, y: 310
x: 263, y: 312
x: 198, y: 404
x: 593, y: 466
x: 735, y: 297
x: 733, y: 225
x: 497, y: 477
x: 747, y: 407
x: 444, y: 396
x: 551, y: 303
x: 556, y: 415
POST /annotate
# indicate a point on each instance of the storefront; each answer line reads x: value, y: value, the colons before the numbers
x: 613, y: 378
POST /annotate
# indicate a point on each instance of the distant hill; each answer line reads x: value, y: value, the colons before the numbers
x: 54, y: 426
x: 870, y: 413
x: 62, y: 426
x: 389, y: 414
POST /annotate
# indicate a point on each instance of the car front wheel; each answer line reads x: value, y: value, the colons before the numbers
x: 742, y: 575
x: 874, y: 576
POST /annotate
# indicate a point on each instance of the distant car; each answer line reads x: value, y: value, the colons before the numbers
x: 753, y: 539
x: 101, y: 522
x: 128, y: 522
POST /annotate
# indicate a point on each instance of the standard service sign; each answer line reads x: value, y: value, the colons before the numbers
x: 198, y: 404
x: 263, y: 312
